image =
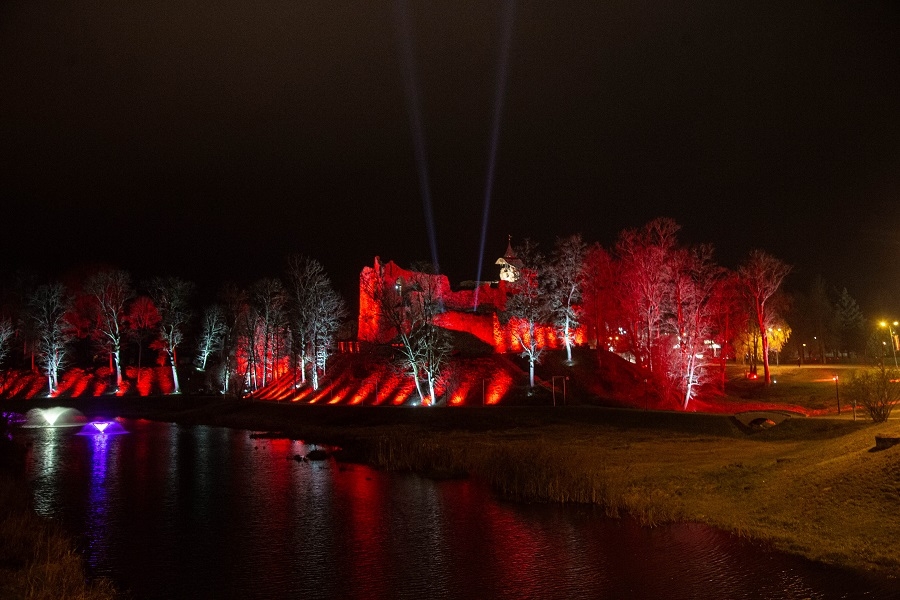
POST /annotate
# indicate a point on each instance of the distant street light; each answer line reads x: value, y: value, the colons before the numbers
x: 891, y: 333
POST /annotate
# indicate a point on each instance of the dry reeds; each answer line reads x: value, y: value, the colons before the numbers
x: 532, y: 472
x: 37, y: 560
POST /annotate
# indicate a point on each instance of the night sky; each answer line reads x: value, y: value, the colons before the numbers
x: 212, y: 139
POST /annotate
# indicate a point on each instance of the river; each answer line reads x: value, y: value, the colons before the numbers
x: 170, y: 511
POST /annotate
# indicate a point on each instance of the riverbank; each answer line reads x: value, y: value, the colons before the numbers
x: 38, y: 560
x: 811, y: 487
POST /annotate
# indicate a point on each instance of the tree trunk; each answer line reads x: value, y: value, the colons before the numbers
x: 174, y: 361
x: 140, y: 355
x: 765, y: 353
x: 118, y: 369
x: 531, y: 372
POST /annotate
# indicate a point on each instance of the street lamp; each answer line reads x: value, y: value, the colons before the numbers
x: 890, y: 329
x: 837, y: 393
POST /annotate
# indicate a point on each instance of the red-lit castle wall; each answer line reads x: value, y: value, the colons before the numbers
x: 459, y: 314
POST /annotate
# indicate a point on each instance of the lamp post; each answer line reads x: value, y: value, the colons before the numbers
x: 553, y: 381
x: 890, y: 329
x: 837, y: 393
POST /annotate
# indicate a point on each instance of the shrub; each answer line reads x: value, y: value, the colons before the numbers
x: 877, y: 390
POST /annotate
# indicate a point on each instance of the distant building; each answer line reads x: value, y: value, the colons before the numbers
x: 510, y: 265
x: 476, y: 308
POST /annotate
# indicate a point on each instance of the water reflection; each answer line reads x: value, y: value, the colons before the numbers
x: 98, y: 501
x: 170, y: 511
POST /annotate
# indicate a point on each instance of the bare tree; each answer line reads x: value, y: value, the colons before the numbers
x: 143, y: 319
x: 598, y: 296
x: 693, y: 320
x: 565, y: 275
x: 234, y: 305
x: 49, y: 305
x: 528, y: 306
x: 110, y: 291
x: 269, y: 302
x: 645, y: 258
x: 762, y: 275
x: 7, y: 331
x: 315, y: 313
x: 212, y: 333
x: 172, y: 298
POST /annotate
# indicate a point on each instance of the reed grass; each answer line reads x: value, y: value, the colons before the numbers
x: 38, y: 561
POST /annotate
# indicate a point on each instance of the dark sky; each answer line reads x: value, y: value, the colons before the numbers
x: 211, y: 139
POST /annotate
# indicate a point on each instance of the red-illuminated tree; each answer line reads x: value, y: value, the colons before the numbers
x: 49, y: 305
x: 565, y: 282
x: 234, y: 307
x: 762, y: 275
x: 315, y: 313
x: 693, y: 320
x: 730, y: 314
x: 212, y: 333
x: 109, y: 291
x: 172, y: 297
x: 645, y: 276
x: 528, y: 305
x: 598, y: 297
x: 143, y: 320
x: 266, y: 328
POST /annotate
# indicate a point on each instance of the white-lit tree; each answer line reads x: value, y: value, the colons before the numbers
x: 172, y: 296
x: 692, y: 321
x: 528, y: 306
x: 212, y: 334
x: 48, y: 307
x: 565, y: 277
x: 7, y: 331
x: 409, y: 306
x: 266, y: 333
x: 109, y: 291
x: 315, y: 313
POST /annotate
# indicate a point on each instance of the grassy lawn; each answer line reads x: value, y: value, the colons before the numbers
x: 810, y: 388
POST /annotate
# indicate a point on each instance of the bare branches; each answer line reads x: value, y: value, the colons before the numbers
x: 315, y: 313
x: 528, y: 305
x: 172, y: 297
x: 49, y: 305
x: 109, y: 291
x: 6, y: 333
x: 761, y: 276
